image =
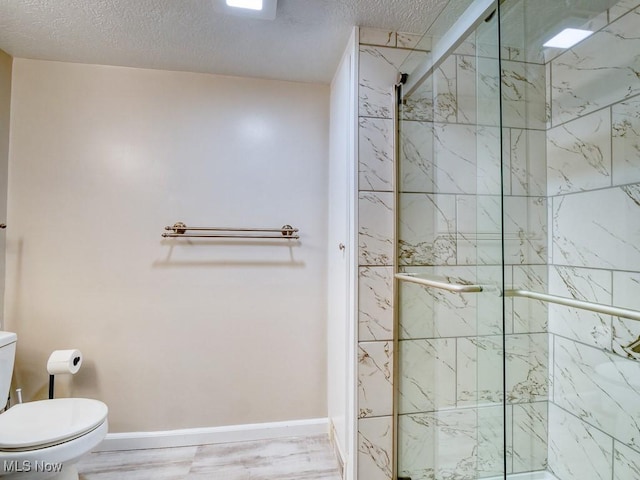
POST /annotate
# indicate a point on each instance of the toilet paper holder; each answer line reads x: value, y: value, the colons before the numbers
x: 62, y: 362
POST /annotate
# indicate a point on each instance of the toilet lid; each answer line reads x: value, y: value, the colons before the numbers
x: 49, y: 422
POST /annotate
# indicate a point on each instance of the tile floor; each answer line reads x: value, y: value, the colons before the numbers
x: 299, y: 458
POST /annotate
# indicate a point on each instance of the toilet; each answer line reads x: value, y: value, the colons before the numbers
x: 44, y: 439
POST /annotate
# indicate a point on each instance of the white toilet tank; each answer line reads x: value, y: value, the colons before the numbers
x: 7, y: 357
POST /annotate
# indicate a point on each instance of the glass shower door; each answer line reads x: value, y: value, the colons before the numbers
x: 450, y: 415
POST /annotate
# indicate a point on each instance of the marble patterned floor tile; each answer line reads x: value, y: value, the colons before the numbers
x: 160, y: 464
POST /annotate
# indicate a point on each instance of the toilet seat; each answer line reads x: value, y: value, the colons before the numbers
x: 41, y: 424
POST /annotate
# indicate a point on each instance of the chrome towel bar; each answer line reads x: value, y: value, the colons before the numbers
x: 179, y: 229
x: 441, y: 283
x: 572, y: 302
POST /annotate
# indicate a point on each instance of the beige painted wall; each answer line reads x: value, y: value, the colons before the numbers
x: 5, y: 108
x: 176, y: 334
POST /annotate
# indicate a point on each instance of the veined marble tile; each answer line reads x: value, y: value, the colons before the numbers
x: 375, y: 152
x: 427, y: 229
x: 479, y: 229
x: 547, y: 108
x: 419, y: 106
x: 432, y: 313
x: 427, y: 375
x: 525, y: 230
x: 378, y: 73
x: 601, y: 70
x: 530, y: 316
x: 375, y: 232
x: 577, y: 451
x: 467, y: 94
x: 586, y: 284
x: 528, y: 162
x: 530, y: 433
x: 622, y: 7
x: 579, y: 154
x: 455, y: 158
x: 480, y: 364
x: 416, y: 157
x: 488, y: 91
x: 445, y: 99
x: 600, y: 388
x: 625, y: 118
x: 377, y: 36
x: 488, y: 161
x: 626, y: 462
x: 626, y: 294
x: 375, y: 372
x: 413, y: 41
x: 438, y: 445
x: 375, y: 303
x: 375, y: 447
x: 523, y: 95
x: 598, y: 229
x: 491, y: 446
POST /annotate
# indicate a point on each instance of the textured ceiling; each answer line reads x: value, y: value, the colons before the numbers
x: 303, y: 43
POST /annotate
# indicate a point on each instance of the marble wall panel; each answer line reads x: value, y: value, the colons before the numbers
x: 581, y: 325
x: 625, y: 118
x: 377, y: 36
x: 427, y: 229
x: 607, y: 57
x: 427, y: 379
x: 626, y: 294
x: 530, y: 431
x: 598, y: 229
x: 530, y: 316
x: 375, y: 379
x: 626, y: 462
x: 375, y: 144
x: 375, y: 303
x: 577, y: 450
x: 455, y: 164
x: 600, y: 388
x: 445, y: 98
x: 579, y: 154
x: 480, y: 364
x: 528, y: 162
x: 375, y: 229
x: 433, y: 313
x: 438, y: 445
x: 378, y: 72
x: 375, y: 448
x: 416, y: 157
x: 621, y: 8
x: 523, y: 95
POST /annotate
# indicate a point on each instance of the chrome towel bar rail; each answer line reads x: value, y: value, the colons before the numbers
x: 442, y: 283
x: 179, y: 229
x: 572, y: 302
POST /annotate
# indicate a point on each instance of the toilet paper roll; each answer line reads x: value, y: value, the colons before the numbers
x: 64, y: 361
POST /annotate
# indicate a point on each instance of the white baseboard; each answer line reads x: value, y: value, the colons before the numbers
x: 209, y: 435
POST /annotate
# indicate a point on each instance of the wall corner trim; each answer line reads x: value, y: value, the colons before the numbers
x: 212, y: 435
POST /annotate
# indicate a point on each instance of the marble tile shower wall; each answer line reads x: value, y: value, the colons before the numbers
x: 381, y: 55
x: 593, y: 170
x: 451, y: 227
x: 451, y: 351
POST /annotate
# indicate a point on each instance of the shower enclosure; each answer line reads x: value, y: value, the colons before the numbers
x: 518, y: 244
